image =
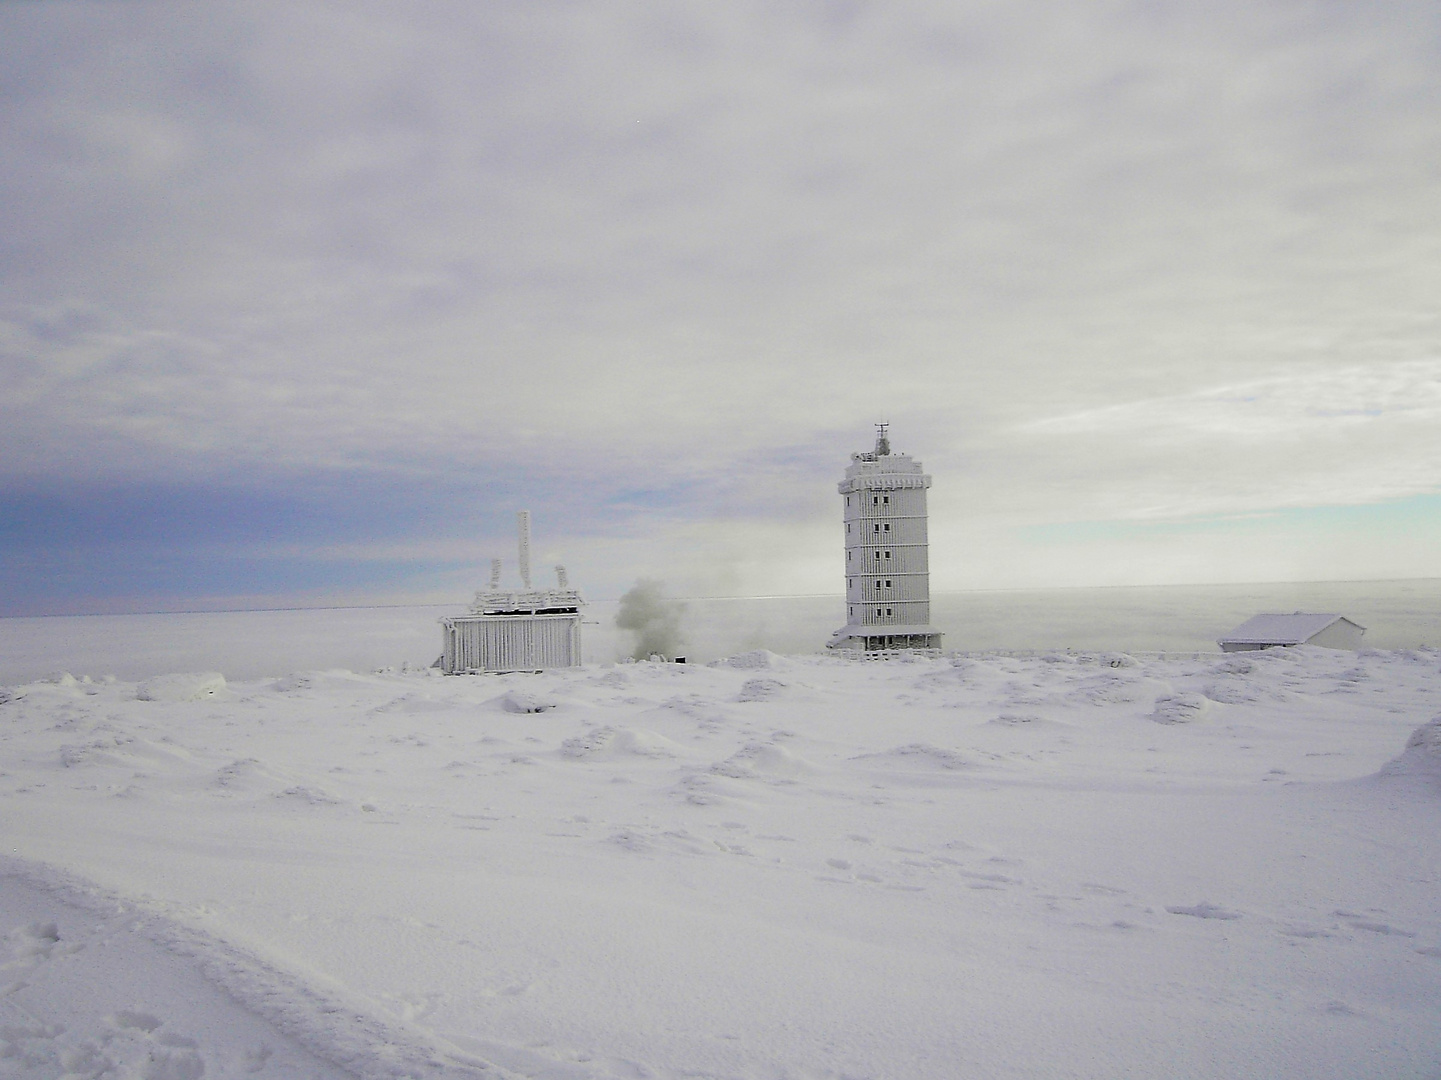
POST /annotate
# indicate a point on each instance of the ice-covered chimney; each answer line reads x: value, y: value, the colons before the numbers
x: 522, y: 520
x: 494, y: 574
x: 562, y: 581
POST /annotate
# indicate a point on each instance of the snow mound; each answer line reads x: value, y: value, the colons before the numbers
x: 921, y: 756
x: 754, y: 660
x: 1108, y: 689
x: 524, y: 701
x: 192, y: 686
x: 618, y: 742
x: 294, y: 683
x: 1422, y: 755
x: 307, y: 795
x: 1111, y: 660
x: 1179, y: 708
x: 761, y: 690
x: 763, y: 760
x: 419, y: 703
x: 250, y: 776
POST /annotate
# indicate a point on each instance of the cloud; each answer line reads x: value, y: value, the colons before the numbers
x: 670, y: 261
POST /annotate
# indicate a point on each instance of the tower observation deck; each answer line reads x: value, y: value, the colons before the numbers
x: 888, y: 580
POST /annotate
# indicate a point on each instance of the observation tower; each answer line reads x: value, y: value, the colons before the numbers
x: 888, y: 579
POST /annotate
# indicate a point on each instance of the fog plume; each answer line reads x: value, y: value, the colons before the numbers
x: 653, y: 618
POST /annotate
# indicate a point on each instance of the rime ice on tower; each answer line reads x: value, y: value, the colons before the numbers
x: 888, y: 590
x: 527, y: 630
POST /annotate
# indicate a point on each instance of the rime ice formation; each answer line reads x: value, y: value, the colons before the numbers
x: 888, y: 591
x: 529, y: 630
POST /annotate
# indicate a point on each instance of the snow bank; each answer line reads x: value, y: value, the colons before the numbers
x: 1422, y: 755
x: 190, y: 687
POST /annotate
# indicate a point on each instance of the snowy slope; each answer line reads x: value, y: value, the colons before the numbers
x: 1067, y: 865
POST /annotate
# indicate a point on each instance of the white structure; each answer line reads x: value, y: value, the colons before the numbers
x: 888, y: 580
x: 527, y: 630
x: 1298, y: 628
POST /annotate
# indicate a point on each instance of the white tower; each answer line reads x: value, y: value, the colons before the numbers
x: 888, y: 580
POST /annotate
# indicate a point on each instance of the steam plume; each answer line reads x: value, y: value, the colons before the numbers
x: 654, y: 619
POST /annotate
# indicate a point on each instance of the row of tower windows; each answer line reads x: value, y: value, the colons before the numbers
x: 878, y: 611
x: 881, y: 583
x: 880, y: 527
x: 876, y: 500
x: 880, y: 556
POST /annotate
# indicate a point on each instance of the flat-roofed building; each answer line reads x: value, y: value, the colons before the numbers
x: 514, y: 630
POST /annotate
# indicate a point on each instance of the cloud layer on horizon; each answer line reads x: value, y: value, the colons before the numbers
x: 653, y: 270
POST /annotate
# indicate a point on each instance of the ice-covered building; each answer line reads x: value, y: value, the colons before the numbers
x: 888, y: 589
x: 525, y: 630
x: 1299, y: 628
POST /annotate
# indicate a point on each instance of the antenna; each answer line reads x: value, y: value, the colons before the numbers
x: 564, y: 582
x: 883, y: 444
x: 494, y: 574
x: 522, y: 521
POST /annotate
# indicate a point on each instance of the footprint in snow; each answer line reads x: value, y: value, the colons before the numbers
x: 33, y: 943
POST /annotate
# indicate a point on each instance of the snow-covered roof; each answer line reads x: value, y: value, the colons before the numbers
x: 1273, y: 629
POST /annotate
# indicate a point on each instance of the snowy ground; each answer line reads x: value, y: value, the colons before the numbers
x: 1060, y: 866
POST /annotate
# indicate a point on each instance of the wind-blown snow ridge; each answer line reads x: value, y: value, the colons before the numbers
x: 327, y: 1020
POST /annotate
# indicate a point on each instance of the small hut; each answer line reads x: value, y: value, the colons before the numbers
x: 523, y: 630
x: 1299, y: 628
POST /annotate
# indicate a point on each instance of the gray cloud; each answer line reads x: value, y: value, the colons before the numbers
x: 686, y: 254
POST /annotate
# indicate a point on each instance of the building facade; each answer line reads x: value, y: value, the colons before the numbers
x: 888, y: 590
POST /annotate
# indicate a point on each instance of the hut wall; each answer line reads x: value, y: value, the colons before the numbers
x: 1341, y: 634
x: 510, y: 643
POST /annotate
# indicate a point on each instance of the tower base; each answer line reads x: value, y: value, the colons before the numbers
x: 884, y: 638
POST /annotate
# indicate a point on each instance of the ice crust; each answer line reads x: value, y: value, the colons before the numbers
x: 1063, y: 865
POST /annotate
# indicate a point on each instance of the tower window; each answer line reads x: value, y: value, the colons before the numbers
x: 887, y: 527
x: 886, y: 499
x: 875, y: 500
x: 888, y: 611
x: 878, y: 613
x: 875, y: 528
x: 888, y: 554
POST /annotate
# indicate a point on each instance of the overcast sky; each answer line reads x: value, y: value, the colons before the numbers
x: 299, y: 302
